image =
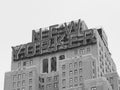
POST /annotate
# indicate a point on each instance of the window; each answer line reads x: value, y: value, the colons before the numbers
x: 53, y: 64
x: 23, y: 75
x: 75, y: 65
x: 18, y: 84
x: 31, y: 62
x: 23, y: 88
x: 61, y: 57
x: 42, y: 80
x: 88, y: 49
x: 14, y: 77
x: 80, y: 78
x: 93, y: 64
x: 70, y: 73
x: 42, y: 87
x: 30, y: 81
x: 70, y: 82
x: 111, y: 79
x: 80, y: 63
x: 14, y: 84
x: 56, y: 78
x: 63, y: 83
x: 18, y: 88
x: 81, y: 51
x: 19, y: 76
x: 63, y: 67
x: 23, y: 83
x: 19, y: 64
x: 63, y: 74
x: 70, y: 66
x: 30, y: 74
x: 93, y: 88
x: 55, y: 85
x: 75, y: 72
x: 75, y: 79
x: 80, y: 71
x: 30, y: 87
x: 49, y: 87
x: 49, y: 79
x: 45, y: 66
x: 24, y: 63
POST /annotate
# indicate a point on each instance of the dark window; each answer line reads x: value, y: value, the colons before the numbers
x: 24, y: 63
x: 53, y: 64
x: 45, y: 65
x: 42, y: 80
x: 61, y: 57
x: 93, y: 88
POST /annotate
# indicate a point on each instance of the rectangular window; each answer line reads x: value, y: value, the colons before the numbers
x: 63, y: 67
x: 18, y: 84
x: 30, y: 87
x: 49, y: 79
x: 70, y: 66
x: 70, y: 82
x: 70, y: 73
x: 19, y: 64
x: 14, y: 84
x: 63, y: 83
x: 19, y: 76
x: 63, y: 74
x: 23, y: 88
x: 75, y: 65
x: 80, y: 63
x: 42, y: 80
x: 88, y: 49
x: 23, y: 83
x: 55, y: 85
x: 45, y: 66
x: 53, y: 64
x: 49, y: 87
x: 14, y: 77
x: 75, y: 79
x: 56, y: 78
x: 42, y: 87
x: 30, y: 74
x: 93, y: 88
x: 30, y: 81
x: 75, y: 72
x: 24, y: 63
x: 80, y: 78
x: 23, y: 75
x: 80, y: 71
x: 31, y: 62
x: 18, y: 88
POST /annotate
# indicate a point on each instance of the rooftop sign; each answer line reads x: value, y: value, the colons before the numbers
x: 55, y: 38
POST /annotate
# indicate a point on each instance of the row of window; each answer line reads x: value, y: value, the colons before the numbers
x: 25, y: 63
x: 49, y: 79
x: 49, y: 86
x: 21, y: 83
x: 71, y: 65
x: 23, y: 88
x: 72, y: 81
x: 21, y: 76
x: 71, y: 72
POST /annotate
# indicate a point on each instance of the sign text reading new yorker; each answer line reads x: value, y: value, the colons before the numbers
x: 55, y: 38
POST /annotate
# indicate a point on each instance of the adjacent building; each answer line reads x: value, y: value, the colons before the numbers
x: 66, y: 56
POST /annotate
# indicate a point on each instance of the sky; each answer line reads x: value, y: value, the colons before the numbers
x: 19, y: 17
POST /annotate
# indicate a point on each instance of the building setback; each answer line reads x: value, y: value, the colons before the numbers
x: 66, y: 56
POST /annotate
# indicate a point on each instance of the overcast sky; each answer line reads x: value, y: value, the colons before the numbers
x: 19, y: 17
